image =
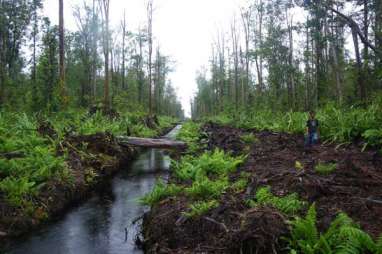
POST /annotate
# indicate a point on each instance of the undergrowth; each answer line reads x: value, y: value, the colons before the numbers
x: 342, y: 237
x: 200, y: 208
x: 203, y: 180
x: 340, y: 125
x: 289, y: 204
x: 189, y: 133
x: 208, y: 164
x: 28, y: 161
x: 160, y: 192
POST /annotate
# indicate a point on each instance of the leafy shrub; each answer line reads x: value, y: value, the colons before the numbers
x: 160, y: 192
x: 325, y: 169
x: 289, y: 204
x: 343, y: 236
x: 200, y: 208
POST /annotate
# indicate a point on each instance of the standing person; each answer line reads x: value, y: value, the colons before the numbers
x: 312, y: 130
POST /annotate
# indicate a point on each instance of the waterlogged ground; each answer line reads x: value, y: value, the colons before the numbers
x: 99, y: 225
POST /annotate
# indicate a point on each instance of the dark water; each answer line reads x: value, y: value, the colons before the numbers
x: 98, y: 226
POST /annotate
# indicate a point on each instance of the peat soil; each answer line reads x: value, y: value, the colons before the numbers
x: 354, y: 187
x: 92, y: 161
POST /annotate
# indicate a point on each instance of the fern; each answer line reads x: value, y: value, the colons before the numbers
x: 200, y: 208
x: 342, y: 237
x: 289, y: 204
x: 160, y: 192
x: 216, y: 163
x: 203, y: 188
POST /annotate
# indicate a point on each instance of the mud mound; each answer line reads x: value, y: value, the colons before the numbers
x: 225, y: 229
x: 354, y: 186
x: 223, y: 137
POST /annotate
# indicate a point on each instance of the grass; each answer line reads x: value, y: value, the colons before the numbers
x: 325, y: 169
x: 289, y: 204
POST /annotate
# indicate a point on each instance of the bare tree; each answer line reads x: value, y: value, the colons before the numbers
x: 105, y: 7
x: 62, y: 52
x: 235, y: 48
x: 123, y: 26
x: 150, y: 44
x: 246, y: 19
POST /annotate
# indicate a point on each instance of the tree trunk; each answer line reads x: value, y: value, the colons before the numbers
x: 150, y: 41
x: 123, y: 50
x: 94, y: 52
x: 106, y: 5
x: 236, y: 64
x: 62, y: 53
x: 360, y: 80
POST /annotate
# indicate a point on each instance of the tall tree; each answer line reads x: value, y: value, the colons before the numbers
x: 124, y: 34
x: 105, y: 8
x: 150, y: 45
x: 62, y: 53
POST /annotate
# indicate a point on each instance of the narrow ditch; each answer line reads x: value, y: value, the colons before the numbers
x: 106, y: 222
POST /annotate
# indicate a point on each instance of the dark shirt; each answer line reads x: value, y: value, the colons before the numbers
x: 312, y: 125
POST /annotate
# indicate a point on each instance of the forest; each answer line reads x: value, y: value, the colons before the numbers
x: 281, y: 151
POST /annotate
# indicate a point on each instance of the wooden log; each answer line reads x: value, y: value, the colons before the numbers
x: 152, y: 143
x: 12, y: 155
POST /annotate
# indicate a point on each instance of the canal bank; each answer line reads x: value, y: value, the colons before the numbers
x: 103, y: 224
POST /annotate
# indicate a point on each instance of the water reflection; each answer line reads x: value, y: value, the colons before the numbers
x: 98, y: 226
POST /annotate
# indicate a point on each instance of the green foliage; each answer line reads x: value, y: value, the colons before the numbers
x: 38, y: 163
x: 166, y: 121
x: 160, y: 192
x: 209, y: 163
x: 325, y: 169
x: 203, y: 188
x: 289, y: 204
x: 343, y: 236
x: 18, y: 190
x: 249, y: 138
x: 241, y: 183
x: 201, y: 207
x: 336, y: 124
x: 189, y: 133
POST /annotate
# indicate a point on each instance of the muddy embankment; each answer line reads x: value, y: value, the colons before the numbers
x: 233, y: 227
x: 92, y: 161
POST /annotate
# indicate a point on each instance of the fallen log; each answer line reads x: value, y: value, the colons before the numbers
x: 152, y: 143
x: 12, y: 155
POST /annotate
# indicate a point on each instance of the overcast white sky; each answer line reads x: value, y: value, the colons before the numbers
x: 184, y: 30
